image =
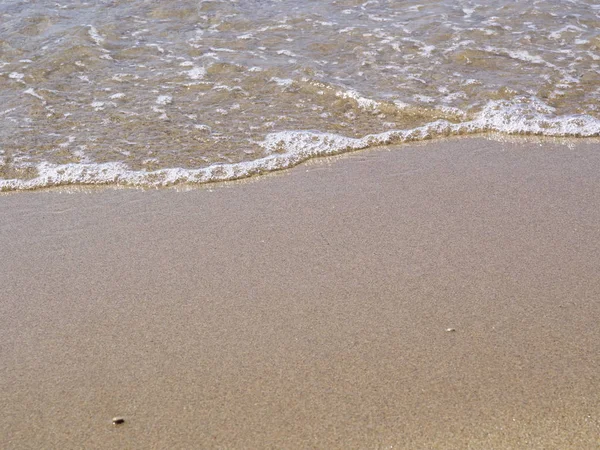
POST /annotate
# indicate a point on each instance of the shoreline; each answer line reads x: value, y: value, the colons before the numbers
x: 311, y: 308
x: 302, y: 147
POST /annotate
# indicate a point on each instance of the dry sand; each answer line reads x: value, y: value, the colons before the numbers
x: 309, y: 309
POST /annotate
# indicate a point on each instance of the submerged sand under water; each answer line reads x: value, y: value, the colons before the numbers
x: 310, y: 309
x: 187, y: 85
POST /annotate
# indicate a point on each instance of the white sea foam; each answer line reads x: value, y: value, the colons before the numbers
x: 69, y: 141
x: 364, y: 103
x: 558, y: 33
x: 164, y: 100
x: 32, y: 92
x: 396, y: 66
x: 196, y: 73
x: 157, y: 47
x: 93, y: 32
x: 5, y: 112
x: 283, y: 82
x: 289, y: 148
x: 286, y: 53
x: 522, y: 55
x: 468, y: 12
x: 423, y: 98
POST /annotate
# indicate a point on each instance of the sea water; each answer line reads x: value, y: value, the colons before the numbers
x: 158, y: 92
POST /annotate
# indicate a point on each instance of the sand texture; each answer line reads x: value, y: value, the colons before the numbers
x: 310, y: 309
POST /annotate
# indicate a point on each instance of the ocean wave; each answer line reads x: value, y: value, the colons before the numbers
x: 525, y: 116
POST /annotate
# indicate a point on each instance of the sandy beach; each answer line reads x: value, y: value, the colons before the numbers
x: 438, y: 296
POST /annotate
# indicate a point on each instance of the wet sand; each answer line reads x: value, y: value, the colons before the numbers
x: 310, y: 309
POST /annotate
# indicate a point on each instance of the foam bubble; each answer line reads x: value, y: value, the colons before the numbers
x: 93, y: 32
x: 531, y: 116
x: 164, y: 100
x: 196, y: 73
x: 32, y: 92
x: 283, y: 82
x: 364, y: 103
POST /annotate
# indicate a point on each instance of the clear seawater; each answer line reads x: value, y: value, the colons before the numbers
x: 149, y: 92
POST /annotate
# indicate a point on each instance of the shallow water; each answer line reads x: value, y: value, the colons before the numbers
x: 159, y: 92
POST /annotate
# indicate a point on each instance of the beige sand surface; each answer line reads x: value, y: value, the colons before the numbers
x: 309, y: 309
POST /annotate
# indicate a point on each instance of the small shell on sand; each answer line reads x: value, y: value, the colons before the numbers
x: 450, y: 330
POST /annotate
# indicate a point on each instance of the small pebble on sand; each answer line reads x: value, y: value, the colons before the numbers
x: 118, y: 420
x: 450, y: 330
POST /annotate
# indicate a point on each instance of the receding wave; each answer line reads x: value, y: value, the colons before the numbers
x: 142, y: 93
x: 289, y: 148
